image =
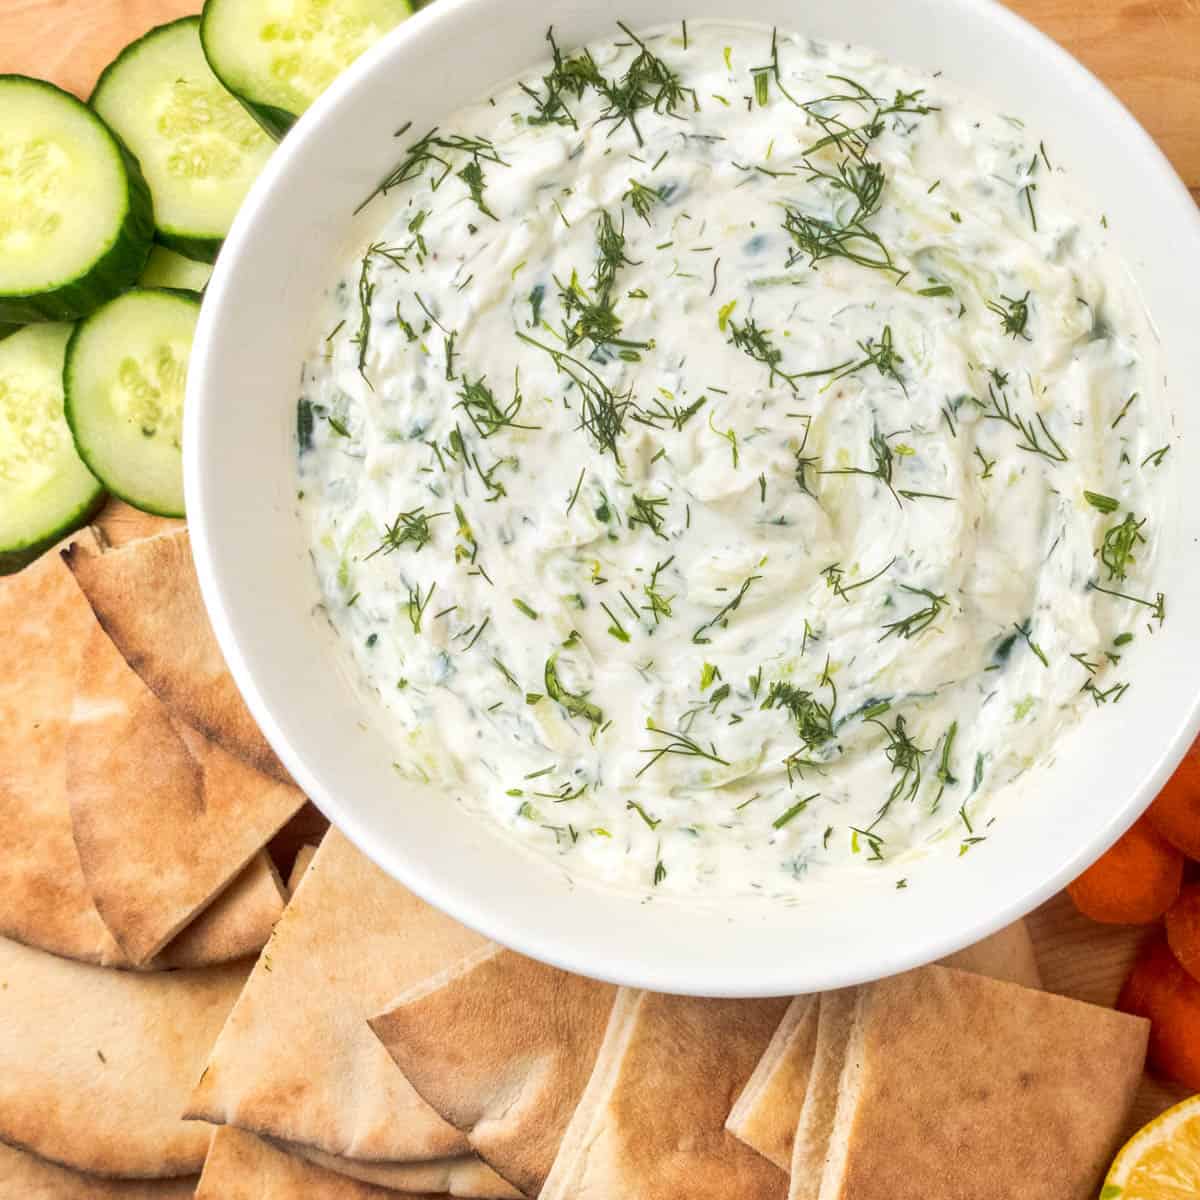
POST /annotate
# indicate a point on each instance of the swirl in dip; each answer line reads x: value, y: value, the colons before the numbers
x: 732, y: 460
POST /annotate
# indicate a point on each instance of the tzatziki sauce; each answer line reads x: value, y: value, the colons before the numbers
x: 731, y: 460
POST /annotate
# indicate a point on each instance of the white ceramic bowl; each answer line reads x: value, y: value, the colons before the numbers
x: 261, y: 593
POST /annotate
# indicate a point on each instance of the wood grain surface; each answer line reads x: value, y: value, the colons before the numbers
x: 1146, y: 51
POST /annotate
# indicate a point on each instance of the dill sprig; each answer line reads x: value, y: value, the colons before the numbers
x: 1120, y: 542
x: 408, y: 529
x: 905, y: 757
x: 916, y: 622
x: 1025, y: 631
x: 1031, y: 441
x: 680, y: 744
x: 479, y: 402
x: 1157, y: 606
x: 433, y: 152
x: 856, y: 139
x: 881, y: 355
x: 812, y: 718
x: 647, y: 511
x: 1013, y: 314
x: 660, y: 601
x: 834, y: 576
x: 945, y: 775
x: 756, y: 343
x: 603, y: 411
x: 642, y: 199
x: 722, y: 618
x: 884, y: 464
x: 569, y: 77
x: 763, y: 76
x: 416, y: 605
x: 648, y: 83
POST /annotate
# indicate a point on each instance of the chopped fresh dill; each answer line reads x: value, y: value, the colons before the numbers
x: 408, y: 529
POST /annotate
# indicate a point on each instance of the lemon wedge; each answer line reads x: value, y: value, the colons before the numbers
x: 1161, y: 1161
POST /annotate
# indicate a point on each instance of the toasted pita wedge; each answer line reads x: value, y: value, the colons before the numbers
x: 651, y: 1122
x: 300, y: 864
x: 835, y: 1019
x: 24, y: 1176
x: 464, y: 1176
x: 163, y: 819
x: 297, y: 1060
x: 236, y: 924
x: 502, y: 1047
x: 168, y: 640
x: 95, y: 1065
x: 44, y: 900
x: 242, y: 1167
x: 766, y: 1113
x: 957, y: 1086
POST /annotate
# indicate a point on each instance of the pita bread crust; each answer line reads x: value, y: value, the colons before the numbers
x: 968, y: 1085
x: 835, y: 1019
x: 765, y: 1114
x: 170, y: 642
x: 1007, y: 954
x: 300, y: 864
x: 466, y: 1176
x: 296, y: 1060
x: 95, y: 1065
x: 654, y: 1125
x: 44, y: 900
x: 163, y: 819
x: 502, y: 1047
x: 241, y: 1166
x: 24, y: 1176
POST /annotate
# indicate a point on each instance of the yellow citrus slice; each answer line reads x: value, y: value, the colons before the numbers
x: 1161, y: 1161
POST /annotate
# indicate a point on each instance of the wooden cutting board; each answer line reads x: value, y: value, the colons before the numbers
x: 1147, y: 51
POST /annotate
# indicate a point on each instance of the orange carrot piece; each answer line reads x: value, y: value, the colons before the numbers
x: 1175, y: 812
x: 1160, y: 989
x: 1134, y: 883
x: 1183, y: 929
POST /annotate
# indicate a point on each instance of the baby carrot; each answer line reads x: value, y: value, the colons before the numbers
x: 1134, y: 882
x: 1160, y: 989
x: 1175, y: 812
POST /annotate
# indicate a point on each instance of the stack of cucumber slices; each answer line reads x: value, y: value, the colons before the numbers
x: 111, y: 214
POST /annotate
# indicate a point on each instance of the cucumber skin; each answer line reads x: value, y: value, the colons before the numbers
x: 275, y: 121
x: 13, y: 560
x: 203, y: 250
x: 113, y: 273
x: 8, y: 330
x: 68, y: 413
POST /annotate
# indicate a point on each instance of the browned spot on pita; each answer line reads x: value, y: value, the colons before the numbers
x: 95, y: 1065
x: 241, y: 1166
x: 146, y: 596
x: 958, y: 1086
x: 24, y: 1176
x: 163, y: 818
x: 651, y: 1123
x: 502, y: 1047
x: 297, y: 1060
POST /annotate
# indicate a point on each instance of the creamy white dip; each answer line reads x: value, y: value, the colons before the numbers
x: 713, y: 452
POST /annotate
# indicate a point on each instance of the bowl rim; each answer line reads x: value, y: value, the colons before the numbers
x: 456, y: 900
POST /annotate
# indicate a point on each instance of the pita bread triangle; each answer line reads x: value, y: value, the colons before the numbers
x: 297, y: 1060
x: 957, y: 1086
x: 170, y: 642
x: 163, y: 819
x: 502, y: 1047
x: 651, y: 1123
x: 95, y: 1065
x: 766, y: 1113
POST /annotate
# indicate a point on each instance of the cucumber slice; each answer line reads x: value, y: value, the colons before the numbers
x: 125, y: 377
x: 278, y: 56
x: 198, y: 149
x: 166, y: 269
x: 75, y: 215
x: 45, y: 490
